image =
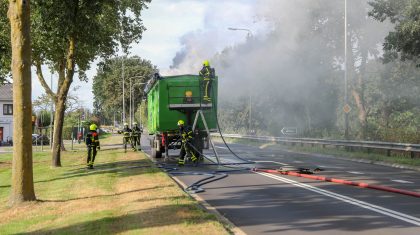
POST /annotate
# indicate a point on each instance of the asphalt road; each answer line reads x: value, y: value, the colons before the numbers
x: 260, y: 203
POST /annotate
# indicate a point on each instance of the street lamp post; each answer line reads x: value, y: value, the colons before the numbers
x: 248, y: 36
x: 131, y: 97
x: 51, y: 113
x: 131, y: 110
x: 123, y: 88
x: 346, y: 107
x: 133, y: 113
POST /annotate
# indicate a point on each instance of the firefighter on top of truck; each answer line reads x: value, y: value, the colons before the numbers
x: 207, y: 74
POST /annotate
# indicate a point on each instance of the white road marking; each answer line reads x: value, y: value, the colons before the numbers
x: 280, y: 163
x: 331, y: 167
x: 403, y: 181
x: 221, y: 147
x: 297, y: 161
x: 381, y: 210
x: 356, y: 172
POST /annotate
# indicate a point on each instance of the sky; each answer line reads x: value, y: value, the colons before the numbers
x: 169, y: 23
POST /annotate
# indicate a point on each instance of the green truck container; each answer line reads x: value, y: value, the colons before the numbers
x: 173, y: 98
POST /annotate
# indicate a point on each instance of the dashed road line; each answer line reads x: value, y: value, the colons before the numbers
x: 403, y: 181
x: 381, y: 210
x: 356, y: 172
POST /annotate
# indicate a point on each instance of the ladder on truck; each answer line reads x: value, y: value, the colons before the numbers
x: 203, y: 119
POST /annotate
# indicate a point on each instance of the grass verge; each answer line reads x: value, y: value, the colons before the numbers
x: 123, y: 194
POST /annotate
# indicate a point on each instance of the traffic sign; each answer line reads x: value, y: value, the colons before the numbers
x: 289, y: 130
x: 347, y: 108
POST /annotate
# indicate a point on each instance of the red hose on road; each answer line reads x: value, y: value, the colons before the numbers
x: 340, y: 181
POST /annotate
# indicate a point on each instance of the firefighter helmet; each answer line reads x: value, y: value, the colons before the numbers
x: 93, y: 127
x: 206, y: 63
x: 180, y: 123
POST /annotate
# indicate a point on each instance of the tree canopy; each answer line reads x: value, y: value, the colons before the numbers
x: 69, y: 35
x: 107, y: 85
x: 404, y: 41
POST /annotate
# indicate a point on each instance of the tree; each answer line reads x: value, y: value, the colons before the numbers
x: 404, y: 41
x: 22, y: 175
x: 107, y: 85
x: 70, y: 34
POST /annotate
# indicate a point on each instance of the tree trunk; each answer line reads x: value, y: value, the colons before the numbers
x: 58, y: 131
x: 62, y: 92
x: 358, y: 91
x: 362, y: 114
x: 22, y: 172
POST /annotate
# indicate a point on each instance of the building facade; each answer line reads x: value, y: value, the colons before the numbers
x: 6, y: 112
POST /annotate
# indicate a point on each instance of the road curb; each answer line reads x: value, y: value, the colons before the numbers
x: 206, y: 206
x: 212, y: 210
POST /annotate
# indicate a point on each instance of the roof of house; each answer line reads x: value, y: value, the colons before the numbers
x: 6, y: 91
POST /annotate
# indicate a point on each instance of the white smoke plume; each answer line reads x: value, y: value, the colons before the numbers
x: 286, y: 65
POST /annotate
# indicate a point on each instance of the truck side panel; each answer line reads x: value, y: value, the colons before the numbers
x: 172, y: 90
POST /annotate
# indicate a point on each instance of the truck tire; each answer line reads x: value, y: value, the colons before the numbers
x: 155, y: 152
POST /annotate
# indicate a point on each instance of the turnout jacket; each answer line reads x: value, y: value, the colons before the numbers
x: 207, y: 72
x: 92, y: 139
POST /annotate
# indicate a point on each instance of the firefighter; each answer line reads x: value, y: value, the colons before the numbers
x: 207, y: 74
x: 186, y: 144
x: 127, y: 135
x: 92, y: 143
x: 136, y: 135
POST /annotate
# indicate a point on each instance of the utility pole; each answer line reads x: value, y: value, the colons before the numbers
x: 123, y: 98
x: 131, y: 97
x: 250, y: 113
x: 51, y: 113
x: 346, y: 105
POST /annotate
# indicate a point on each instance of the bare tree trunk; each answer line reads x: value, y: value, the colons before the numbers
x: 22, y: 172
x: 362, y: 114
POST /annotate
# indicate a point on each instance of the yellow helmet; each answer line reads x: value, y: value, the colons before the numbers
x: 206, y: 63
x: 125, y: 124
x: 180, y: 122
x: 93, y: 127
x: 134, y: 123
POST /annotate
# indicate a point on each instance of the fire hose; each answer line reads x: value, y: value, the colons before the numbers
x: 340, y: 181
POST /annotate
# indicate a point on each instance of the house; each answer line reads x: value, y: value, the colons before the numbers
x: 6, y: 112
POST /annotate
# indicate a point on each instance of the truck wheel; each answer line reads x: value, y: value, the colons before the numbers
x: 155, y: 153
x: 166, y: 150
x: 158, y: 154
